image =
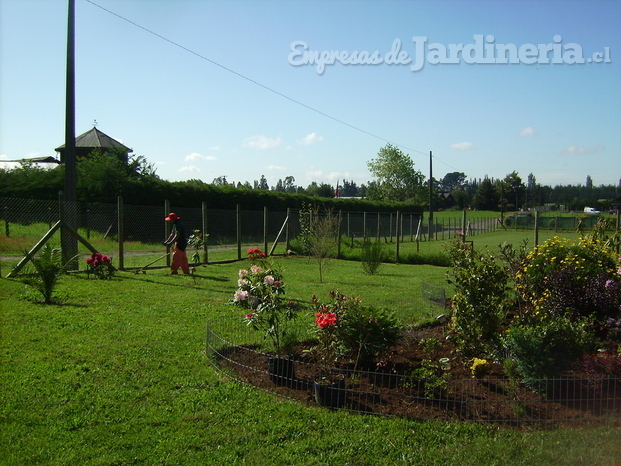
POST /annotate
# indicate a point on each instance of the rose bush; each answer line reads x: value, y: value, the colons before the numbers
x: 260, y: 290
x: 100, y: 266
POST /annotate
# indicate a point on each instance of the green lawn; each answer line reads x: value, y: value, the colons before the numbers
x: 117, y: 374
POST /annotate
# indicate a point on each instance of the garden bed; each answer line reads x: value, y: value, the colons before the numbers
x: 394, y: 387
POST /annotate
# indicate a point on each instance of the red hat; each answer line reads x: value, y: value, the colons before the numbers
x: 172, y: 217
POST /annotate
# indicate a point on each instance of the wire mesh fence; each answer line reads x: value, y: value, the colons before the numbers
x: 132, y: 235
x: 399, y: 391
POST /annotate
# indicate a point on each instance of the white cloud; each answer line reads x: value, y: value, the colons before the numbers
x: 262, y: 142
x: 529, y: 131
x: 189, y: 168
x: 462, y: 146
x: 194, y: 156
x: 309, y: 139
x: 579, y: 150
x: 275, y: 167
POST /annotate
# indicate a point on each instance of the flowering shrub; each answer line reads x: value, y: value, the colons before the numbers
x: 480, y: 368
x: 255, y: 254
x: 481, y: 297
x: 346, y: 328
x: 572, y: 278
x: 100, y: 266
x: 260, y: 290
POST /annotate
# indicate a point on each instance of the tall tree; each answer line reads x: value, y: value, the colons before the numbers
x: 516, y: 188
x: 395, y: 176
x: 486, y: 197
x: 452, y: 181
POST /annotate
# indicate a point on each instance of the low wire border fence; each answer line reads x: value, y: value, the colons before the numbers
x: 498, y: 401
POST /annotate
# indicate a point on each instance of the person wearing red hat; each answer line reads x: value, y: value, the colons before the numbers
x: 179, y: 238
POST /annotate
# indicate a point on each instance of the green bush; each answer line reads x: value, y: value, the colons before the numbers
x: 481, y: 298
x: 48, y: 269
x: 344, y: 327
x: 373, y: 255
x: 543, y: 349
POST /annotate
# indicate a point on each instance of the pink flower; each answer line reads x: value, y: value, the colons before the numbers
x: 243, y: 273
x: 242, y: 282
x: 256, y: 269
x: 249, y: 316
x: 268, y: 280
x: 241, y: 295
x: 277, y: 283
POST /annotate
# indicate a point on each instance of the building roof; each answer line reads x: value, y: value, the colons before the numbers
x: 43, y: 159
x: 93, y: 139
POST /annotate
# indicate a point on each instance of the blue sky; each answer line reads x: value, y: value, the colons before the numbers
x: 210, y: 90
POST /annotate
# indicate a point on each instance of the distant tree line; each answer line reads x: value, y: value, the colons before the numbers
x: 511, y: 193
x: 396, y: 185
x: 101, y: 179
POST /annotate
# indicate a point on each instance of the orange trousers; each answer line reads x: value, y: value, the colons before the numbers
x: 179, y: 260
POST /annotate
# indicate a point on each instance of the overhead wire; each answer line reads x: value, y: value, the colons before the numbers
x: 263, y: 86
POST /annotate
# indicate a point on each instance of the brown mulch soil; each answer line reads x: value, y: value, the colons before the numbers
x: 392, y: 389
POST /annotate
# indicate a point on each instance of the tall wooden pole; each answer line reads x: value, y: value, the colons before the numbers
x: 69, y: 243
x: 430, y: 195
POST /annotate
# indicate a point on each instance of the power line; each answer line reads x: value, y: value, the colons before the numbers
x: 280, y: 94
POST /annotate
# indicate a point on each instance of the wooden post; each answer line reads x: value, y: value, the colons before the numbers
x: 238, y: 222
x: 338, y: 244
x: 205, y: 234
x: 120, y: 232
x: 378, y: 226
x: 536, y: 228
x: 287, y: 239
x: 364, y: 224
x: 398, y: 237
x: 390, y: 227
x: 265, y: 229
x: 167, y: 229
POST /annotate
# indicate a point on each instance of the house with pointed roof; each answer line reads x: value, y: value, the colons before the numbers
x: 93, y: 140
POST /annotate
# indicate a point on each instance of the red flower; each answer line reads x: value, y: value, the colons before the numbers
x: 324, y: 319
x: 89, y: 261
x: 105, y: 259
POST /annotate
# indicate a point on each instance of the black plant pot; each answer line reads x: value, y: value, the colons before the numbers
x: 281, y: 371
x: 330, y: 394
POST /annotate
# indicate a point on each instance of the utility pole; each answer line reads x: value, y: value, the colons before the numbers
x: 430, y: 195
x: 68, y: 242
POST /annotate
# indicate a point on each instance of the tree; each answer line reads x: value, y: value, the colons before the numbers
x: 452, y: 181
x: 320, y: 233
x: 320, y: 190
x: 486, y: 197
x: 395, y: 176
x: 289, y: 184
x: 516, y: 188
x: 261, y: 184
x: 589, y: 182
x: 219, y: 181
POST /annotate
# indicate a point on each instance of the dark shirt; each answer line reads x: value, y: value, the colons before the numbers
x: 181, y: 241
